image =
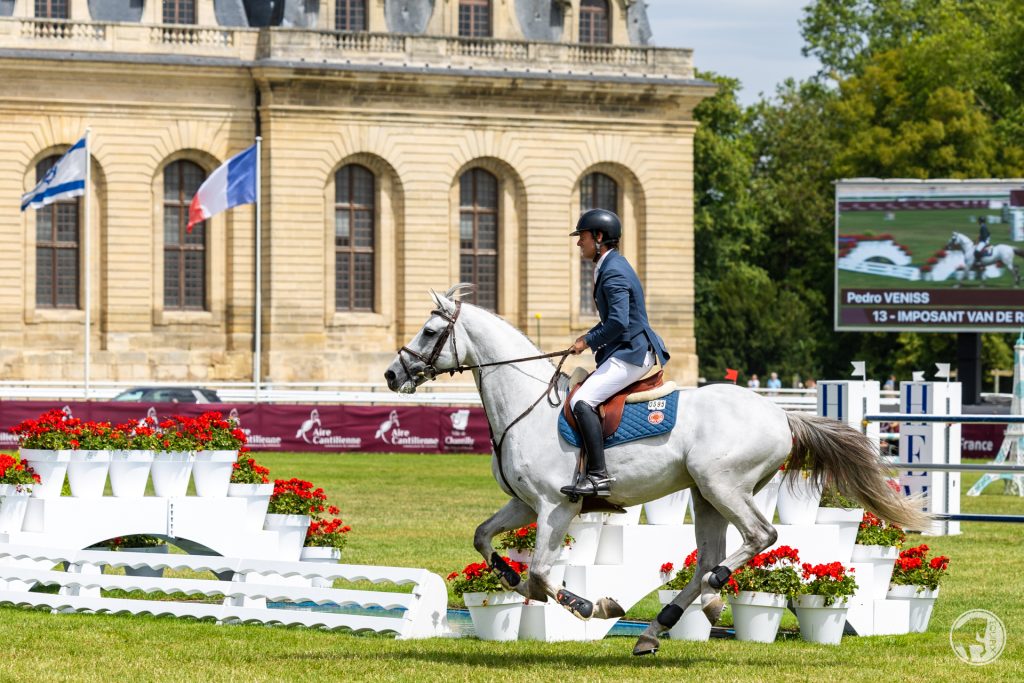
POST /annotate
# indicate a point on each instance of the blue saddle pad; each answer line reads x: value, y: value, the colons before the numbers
x: 639, y: 421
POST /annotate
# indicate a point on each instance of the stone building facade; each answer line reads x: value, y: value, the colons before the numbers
x: 406, y: 146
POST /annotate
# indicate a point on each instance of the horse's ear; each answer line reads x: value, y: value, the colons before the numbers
x: 442, y: 302
x: 457, y: 290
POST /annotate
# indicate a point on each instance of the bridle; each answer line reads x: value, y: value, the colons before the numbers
x: 430, y: 371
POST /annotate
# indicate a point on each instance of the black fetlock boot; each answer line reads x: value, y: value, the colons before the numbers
x: 597, y: 481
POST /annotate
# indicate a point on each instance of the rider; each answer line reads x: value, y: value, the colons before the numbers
x: 625, y: 345
x: 983, y: 238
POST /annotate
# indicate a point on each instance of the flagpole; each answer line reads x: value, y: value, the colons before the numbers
x: 257, y: 353
x: 88, y: 259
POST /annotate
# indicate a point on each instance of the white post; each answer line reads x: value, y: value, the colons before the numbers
x: 258, y: 333
x: 88, y: 258
x: 849, y: 401
x: 931, y: 442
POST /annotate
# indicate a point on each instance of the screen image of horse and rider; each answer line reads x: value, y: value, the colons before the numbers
x: 909, y: 251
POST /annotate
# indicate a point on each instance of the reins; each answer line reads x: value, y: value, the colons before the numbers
x: 552, y: 386
x: 430, y: 372
x: 554, y: 354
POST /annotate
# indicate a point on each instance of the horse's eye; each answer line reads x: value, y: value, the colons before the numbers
x: 427, y: 332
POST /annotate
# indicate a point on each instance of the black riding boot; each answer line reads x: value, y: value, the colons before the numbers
x: 597, y: 481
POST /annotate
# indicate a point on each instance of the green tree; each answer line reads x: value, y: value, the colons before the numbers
x: 908, y: 88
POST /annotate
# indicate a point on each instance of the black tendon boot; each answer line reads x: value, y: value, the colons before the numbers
x: 597, y: 481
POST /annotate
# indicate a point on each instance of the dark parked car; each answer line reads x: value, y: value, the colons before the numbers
x: 168, y: 395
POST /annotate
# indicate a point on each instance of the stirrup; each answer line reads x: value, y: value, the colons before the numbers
x: 591, y: 485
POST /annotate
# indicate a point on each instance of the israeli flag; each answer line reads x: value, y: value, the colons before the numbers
x: 65, y: 180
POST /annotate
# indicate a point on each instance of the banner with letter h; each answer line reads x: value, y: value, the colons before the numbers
x: 931, y: 442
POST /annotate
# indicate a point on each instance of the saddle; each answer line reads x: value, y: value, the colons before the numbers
x: 646, y: 389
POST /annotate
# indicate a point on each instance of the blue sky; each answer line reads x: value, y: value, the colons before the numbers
x: 756, y: 41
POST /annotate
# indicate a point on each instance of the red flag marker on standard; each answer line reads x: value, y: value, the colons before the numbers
x: 232, y: 184
x: 731, y: 375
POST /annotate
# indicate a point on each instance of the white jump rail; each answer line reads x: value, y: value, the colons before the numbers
x: 425, y: 608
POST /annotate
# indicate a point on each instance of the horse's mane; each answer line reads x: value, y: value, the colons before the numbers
x: 460, y: 289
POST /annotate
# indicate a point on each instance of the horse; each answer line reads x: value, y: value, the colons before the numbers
x: 727, y: 444
x: 999, y: 253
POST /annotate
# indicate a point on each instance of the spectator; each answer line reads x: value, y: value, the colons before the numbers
x: 809, y: 383
x: 753, y: 382
x: 890, y: 384
x: 774, y: 382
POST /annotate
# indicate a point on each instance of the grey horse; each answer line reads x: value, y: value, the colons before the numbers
x: 728, y: 442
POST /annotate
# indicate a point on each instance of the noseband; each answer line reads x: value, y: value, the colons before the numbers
x: 429, y: 370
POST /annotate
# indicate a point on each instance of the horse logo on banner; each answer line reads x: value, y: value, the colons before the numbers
x: 313, y: 421
x: 384, y: 431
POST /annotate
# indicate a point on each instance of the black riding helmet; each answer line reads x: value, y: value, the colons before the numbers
x: 599, y: 220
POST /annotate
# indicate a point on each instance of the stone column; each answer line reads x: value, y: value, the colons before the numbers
x: 571, y: 21
x: 376, y: 21
x: 153, y: 12
x: 78, y: 10
x: 205, y: 15
x: 325, y: 19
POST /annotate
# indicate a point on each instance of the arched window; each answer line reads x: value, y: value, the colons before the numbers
x: 597, y: 191
x: 179, y: 11
x: 56, y: 248
x: 184, y: 252
x: 51, y: 9
x: 478, y: 236
x: 594, y: 21
x: 475, y: 18
x: 350, y: 15
x: 354, y: 224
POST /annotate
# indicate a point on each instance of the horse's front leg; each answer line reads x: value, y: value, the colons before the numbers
x: 512, y: 515
x: 552, y: 524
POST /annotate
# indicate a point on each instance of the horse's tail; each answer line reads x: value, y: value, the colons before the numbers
x: 841, y: 456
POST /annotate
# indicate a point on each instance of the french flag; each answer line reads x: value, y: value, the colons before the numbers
x: 233, y: 183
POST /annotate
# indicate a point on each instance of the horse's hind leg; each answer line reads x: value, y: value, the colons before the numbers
x: 738, y: 508
x: 710, y: 529
x: 512, y: 515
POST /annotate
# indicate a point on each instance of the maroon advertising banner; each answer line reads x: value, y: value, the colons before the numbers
x: 340, y: 428
x: 276, y: 427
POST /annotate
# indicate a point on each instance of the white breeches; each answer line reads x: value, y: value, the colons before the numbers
x: 609, y: 378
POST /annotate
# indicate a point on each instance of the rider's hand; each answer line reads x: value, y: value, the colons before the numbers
x: 578, y: 346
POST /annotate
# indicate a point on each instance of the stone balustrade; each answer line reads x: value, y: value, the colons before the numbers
x: 335, y: 47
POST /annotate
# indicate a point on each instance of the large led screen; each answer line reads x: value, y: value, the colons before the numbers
x: 909, y: 255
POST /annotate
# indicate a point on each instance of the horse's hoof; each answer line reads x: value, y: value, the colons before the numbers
x: 713, y: 609
x: 646, y: 645
x: 606, y: 608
